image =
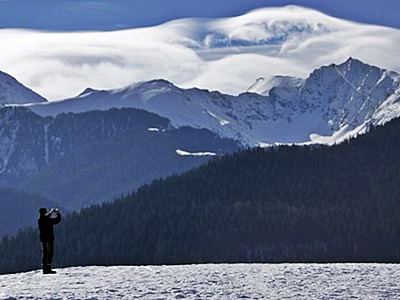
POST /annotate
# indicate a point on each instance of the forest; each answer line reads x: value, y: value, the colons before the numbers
x: 281, y: 204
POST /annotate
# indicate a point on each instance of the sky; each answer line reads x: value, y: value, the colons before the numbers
x: 104, y: 45
x: 74, y: 15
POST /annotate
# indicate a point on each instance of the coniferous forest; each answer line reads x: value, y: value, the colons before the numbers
x: 282, y: 204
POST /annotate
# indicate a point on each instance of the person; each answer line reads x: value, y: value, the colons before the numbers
x: 46, y: 222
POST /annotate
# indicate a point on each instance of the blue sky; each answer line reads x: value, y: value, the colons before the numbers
x: 112, y: 14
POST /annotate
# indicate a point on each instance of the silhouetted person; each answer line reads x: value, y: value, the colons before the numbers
x: 46, y: 222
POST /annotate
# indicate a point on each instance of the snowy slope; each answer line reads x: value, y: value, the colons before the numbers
x: 332, y: 104
x: 226, y: 54
x: 250, y: 281
x: 13, y: 92
x: 263, y: 85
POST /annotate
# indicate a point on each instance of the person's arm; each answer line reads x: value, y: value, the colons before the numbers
x: 57, y: 219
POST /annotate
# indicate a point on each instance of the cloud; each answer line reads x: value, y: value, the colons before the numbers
x: 223, y: 54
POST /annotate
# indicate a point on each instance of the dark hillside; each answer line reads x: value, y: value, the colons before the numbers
x: 284, y: 204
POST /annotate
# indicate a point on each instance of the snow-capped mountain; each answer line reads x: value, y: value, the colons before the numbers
x: 46, y: 147
x: 335, y: 102
x: 13, y: 92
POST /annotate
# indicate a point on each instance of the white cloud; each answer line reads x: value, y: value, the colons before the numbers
x: 225, y: 54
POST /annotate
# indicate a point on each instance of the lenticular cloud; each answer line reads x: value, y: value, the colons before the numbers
x: 222, y: 54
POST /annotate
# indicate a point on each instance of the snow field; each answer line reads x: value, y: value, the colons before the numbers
x: 209, y: 281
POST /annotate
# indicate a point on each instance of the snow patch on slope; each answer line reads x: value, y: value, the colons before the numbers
x: 220, y: 120
x: 186, y: 153
x: 46, y: 143
x: 153, y: 129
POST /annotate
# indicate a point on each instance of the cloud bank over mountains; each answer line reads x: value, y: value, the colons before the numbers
x: 219, y: 54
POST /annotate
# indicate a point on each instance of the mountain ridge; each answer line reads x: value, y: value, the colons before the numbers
x: 86, y: 158
x: 334, y: 103
x: 14, y: 92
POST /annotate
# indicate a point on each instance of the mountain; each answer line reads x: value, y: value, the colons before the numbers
x: 13, y: 92
x: 80, y: 159
x: 281, y: 204
x: 19, y: 210
x: 334, y: 103
x: 103, y: 144
x: 224, y: 54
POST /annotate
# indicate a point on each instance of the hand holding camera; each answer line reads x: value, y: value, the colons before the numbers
x: 54, y: 211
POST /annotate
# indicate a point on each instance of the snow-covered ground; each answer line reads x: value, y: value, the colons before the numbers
x: 251, y: 281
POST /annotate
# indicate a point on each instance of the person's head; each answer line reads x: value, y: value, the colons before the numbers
x: 43, y: 211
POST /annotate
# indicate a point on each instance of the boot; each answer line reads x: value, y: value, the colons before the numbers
x: 47, y: 270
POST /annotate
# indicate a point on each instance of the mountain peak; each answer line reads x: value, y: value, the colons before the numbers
x: 158, y: 82
x: 14, y: 92
x: 87, y: 91
x: 352, y: 66
x: 352, y: 59
x: 263, y: 85
x: 152, y: 85
x: 351, y: 62
x: 356, y: 65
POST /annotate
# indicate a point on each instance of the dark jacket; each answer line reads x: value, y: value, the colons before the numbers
x: 46, y: 227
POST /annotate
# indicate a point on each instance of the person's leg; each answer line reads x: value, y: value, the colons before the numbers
x: 50, y: 249
x: 47, y: 257
x: 44, y: 256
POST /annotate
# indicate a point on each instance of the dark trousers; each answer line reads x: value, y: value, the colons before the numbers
x: 47, y: 253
